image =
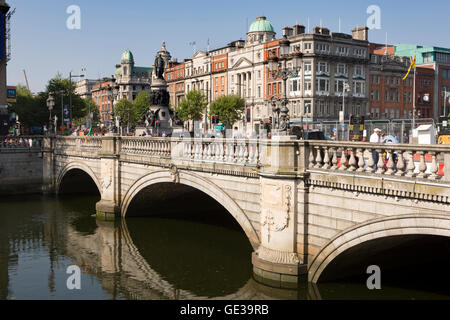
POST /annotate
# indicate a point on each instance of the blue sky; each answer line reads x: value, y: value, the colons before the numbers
x: 43, y: 46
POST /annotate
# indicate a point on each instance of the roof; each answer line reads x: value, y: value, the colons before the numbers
x: 127, y: 56
x: 261, y: 25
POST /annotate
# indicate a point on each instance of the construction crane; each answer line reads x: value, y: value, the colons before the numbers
x: 26, y: 79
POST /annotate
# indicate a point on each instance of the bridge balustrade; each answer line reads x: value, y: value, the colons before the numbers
x: 219, y: 150
x: 402, y: 160
x: 159, y: 147
x: 22, y: 142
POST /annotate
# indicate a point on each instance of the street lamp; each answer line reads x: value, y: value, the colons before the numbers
x: 346, y: 88
x: 278, y: 69
x: 112, y: 93
x: 50, y: 105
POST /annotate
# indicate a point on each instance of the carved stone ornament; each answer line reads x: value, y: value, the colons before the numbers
x: 175, y: 174
x: 107, y: 175
x: 277, y: 223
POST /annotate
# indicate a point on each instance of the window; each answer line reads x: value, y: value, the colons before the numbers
x: 359, y: 87
x: 322, y: 67
x: 322, y: 85
x: 341, y: 68
x: 259, y: 91
x: 339, y: 86
x: 307, y: 106
x: 259, y: 74
x: 222, y: 81
x: 308, y: 85
x: 308, y: 66
x: 308, y: 46
x: 359, y: 71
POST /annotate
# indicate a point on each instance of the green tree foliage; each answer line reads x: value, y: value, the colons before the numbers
x: 127, y: 111
x: 192, y: 106
x: 142, y: 103
x: 33, y: 110
x: 229, y: 109
x: 89, y: 107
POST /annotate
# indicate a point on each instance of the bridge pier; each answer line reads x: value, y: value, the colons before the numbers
x: 108, y: 207
x: 279, y: 260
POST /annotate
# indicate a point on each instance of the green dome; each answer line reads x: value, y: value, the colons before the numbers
x: 261, y: 25
x: 127, y: 56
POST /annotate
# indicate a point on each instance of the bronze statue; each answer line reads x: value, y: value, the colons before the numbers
x: 159, y: 67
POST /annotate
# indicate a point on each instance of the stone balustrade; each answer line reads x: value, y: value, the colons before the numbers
x: 158, y: 147
x: 82, y: 144
x: 245, y: 152
x: 401, y: 160
x: 22, y: 142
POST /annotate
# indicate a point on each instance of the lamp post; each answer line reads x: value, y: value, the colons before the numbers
x: 112, y: 93
x: 346, y: 88
x: 50, y: 105
x: 278, y: 69
x: 70, y: 90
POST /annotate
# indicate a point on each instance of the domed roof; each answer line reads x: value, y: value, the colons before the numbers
x: 127, y: 56
x: 261, y: 25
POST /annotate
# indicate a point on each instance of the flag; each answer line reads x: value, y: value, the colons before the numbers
x: 413, y: 65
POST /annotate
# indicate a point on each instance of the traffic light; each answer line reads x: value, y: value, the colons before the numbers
x: 215, y: 119
x: 157, y: 124
x: 270, y: 119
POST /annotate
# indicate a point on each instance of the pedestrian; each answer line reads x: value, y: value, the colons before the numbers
x: 375, y: 138
x: 237, y: 134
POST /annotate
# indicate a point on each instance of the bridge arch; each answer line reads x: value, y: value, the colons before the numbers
x: 80, y: 166
x: 199, y: 183
x: 420, y: 224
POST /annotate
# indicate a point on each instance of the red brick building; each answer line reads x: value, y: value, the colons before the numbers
x: 390, y: 97
x: 175, y: 77
x: 102, y: 100
x: 219, y: 68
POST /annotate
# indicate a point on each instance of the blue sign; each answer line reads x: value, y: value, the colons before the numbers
x: 2, y: 35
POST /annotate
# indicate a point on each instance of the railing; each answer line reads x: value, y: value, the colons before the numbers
x: 230, y: 151
x: 22, y: 143
x: 158, y: 147
x: 414, y: 161
x: 82, y: 144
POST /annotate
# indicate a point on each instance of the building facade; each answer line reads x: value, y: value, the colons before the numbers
x: 132, y: 79
x: 103, y: 99
x: 390, y: 97
x: 437, y: 59
x: 84, y: 87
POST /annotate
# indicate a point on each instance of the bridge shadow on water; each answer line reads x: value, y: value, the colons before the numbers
x: 411, y: 267
x: 190, y: 239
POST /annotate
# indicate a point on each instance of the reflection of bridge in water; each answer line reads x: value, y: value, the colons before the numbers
x: 110, y: 253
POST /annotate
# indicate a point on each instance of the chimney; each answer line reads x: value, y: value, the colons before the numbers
x: 316, y: 30
x: 361, y: 33
x: 287, y: 31
x: 299, y: 29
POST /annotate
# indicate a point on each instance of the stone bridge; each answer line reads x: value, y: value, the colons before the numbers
x: 300, y: 203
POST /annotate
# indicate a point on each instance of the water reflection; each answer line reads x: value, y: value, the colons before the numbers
x: 139, y: 258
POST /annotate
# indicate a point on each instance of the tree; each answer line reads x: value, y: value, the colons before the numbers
x: 229, y: 109
x: 89, y: 107
x: 192, y: 106
x: 127, y: 111
x: 142, y: 103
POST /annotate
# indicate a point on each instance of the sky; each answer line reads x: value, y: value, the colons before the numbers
x: 44, y: 46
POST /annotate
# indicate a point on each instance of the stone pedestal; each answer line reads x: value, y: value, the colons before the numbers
x: 108, y: 207
x: 277, y: 261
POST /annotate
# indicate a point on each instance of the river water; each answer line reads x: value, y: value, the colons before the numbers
x: 141, y: 258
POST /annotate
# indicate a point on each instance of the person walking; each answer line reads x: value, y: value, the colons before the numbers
x: 237, y: 134
x: 375, y: 138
